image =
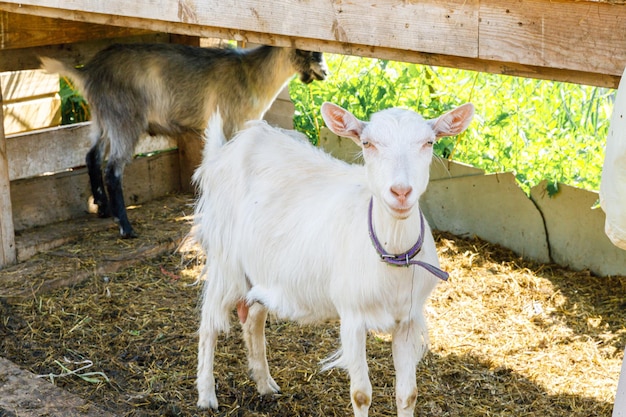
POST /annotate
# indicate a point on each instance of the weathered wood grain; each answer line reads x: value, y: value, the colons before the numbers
x: 577, y: 35
x: 76, y: 53
x: 33, y: 114
x: 20, y: 387
x: 7, y: 234
x: 23, y: 31
x: 31, y: 100
x: 564, y: 40
x: 20, y: 85
x: 449, y: 26
x: 57, y: 149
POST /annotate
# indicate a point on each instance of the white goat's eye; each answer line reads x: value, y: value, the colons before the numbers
x: 430, y: 143
x: 366, y: 144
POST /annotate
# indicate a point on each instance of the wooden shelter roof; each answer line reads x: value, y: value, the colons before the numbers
x: 568, y: 40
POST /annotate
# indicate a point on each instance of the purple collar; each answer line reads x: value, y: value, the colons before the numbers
x: 404, y: 259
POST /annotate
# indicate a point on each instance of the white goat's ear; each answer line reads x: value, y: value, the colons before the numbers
x: 342, y: 123
x: 453, y: 122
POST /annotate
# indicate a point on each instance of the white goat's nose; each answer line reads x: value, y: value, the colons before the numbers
x: 401, y: 192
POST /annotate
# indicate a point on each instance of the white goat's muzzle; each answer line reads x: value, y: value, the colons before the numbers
x: 400, y: 200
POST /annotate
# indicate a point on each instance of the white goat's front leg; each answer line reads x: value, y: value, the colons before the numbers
x: 408, y: 347
x: 214, y: 319
x: 254, y: 336
x: 206, y: 354
x: 353, y: 358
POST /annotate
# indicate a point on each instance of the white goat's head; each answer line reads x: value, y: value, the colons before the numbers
x: 397, y: 148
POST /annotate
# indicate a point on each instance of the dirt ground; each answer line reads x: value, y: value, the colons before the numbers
x: 508, y: 337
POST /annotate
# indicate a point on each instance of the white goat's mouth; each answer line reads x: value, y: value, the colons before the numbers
x: 400, y: 212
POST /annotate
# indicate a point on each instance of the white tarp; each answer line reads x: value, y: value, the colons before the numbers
x: 613, y: 202
x: 619, y: 409
x: 613, y: 183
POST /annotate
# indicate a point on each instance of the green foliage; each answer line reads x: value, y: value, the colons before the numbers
x: 536, y: 129
x: 74, y: 109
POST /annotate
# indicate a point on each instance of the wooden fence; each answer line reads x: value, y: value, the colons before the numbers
x: 567, y: 40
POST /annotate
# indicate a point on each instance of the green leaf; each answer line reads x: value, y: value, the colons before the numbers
x: 552, y: 188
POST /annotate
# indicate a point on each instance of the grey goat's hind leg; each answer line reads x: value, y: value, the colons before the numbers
x: 113, y: 178
x: 94, y: 168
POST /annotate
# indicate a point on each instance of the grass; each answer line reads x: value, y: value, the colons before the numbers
x: 534, y: 128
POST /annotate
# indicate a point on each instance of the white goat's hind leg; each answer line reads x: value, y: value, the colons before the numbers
x: 408, y: 347
x: 353, y: 358
x: 254, y: 336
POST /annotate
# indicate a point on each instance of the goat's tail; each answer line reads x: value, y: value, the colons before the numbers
x: 54, y: 66
x: 214, y: 137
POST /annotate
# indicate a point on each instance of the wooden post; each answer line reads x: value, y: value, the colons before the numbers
x: 189, y: 144
x: 190, y: 155
x: 7, y: 234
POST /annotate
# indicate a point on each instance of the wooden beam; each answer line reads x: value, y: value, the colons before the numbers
x: 7, y: 233
x: 26, y: 31
x: 61, y: 148
x: 76, y: 53
x: 442, y: 26
x: 575, y: 35
x: 190, y: 155
x: 566, y: 40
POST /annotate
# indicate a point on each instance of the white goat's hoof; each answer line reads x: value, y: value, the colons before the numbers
x: 269, y: 386
x: 207, y: 401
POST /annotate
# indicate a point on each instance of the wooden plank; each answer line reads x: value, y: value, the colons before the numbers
x: 7, y: 233
x: 21, y: 85
x: 30, y: 115
x: 48, y: 150
x: 448, y: 26
x: 415, y: 57
x: 54, y: 198
x: 518, y: 70
x: 20, y: 387
x: 580, y: 35
x: 24, y: 31
x: 76, y: 53
x: 58, y: 149
x: 190, y: 155
x: 45, y: 200
x: 473, y: 35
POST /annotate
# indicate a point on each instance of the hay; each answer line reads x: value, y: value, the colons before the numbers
x: 509, y: 337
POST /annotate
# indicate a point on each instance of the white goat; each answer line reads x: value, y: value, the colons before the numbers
x: 170, y: 89
x: 285, y: 229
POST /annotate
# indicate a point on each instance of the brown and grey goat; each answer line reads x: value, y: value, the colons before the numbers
x: 169, y: 89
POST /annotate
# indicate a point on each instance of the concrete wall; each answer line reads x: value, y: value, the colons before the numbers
x: 576, y: 230
x: 491, y: 207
